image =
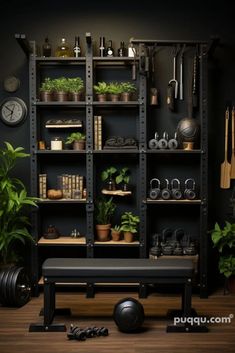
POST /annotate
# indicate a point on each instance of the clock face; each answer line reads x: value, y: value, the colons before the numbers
x: 13, y: 111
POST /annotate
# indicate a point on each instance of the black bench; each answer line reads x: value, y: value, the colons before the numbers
x: 143, y: 271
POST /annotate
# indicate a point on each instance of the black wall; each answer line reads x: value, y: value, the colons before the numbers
x: 121, y: 20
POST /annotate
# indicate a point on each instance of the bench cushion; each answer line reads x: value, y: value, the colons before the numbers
x: 74, y: 267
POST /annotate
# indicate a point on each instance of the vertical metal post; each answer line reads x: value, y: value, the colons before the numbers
x: 204, y: 172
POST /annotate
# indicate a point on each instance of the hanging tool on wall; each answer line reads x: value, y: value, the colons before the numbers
x: 172, y: 90
x: 182, y: 73
x: 153, y: 89
x: 195, y: 87
x: 232, y: 173
x: 225, y: 166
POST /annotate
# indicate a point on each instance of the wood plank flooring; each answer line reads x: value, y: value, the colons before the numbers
x: 15, y: 338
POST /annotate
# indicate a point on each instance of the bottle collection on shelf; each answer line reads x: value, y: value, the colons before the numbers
x: 69, y: 187
x: 65, y: 49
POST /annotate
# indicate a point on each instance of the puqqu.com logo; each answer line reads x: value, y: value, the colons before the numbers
x: 200, y: 320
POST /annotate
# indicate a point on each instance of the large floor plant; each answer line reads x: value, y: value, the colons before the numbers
x: 13, y: 200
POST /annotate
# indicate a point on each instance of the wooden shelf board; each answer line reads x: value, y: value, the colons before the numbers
x: 58, y: 104
x: 176, y: 151
x: 63, y: 240
x: 60, y: 152
x: 58, y: 201
x: 116, y: 104
x: 120, y: 242
x: 116, y: 192
x: 120, y: 150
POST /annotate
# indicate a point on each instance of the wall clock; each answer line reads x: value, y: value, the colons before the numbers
x: 11, y: 84
x: 13, y: 111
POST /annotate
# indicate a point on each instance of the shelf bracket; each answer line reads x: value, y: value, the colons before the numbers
x: 24, y: 43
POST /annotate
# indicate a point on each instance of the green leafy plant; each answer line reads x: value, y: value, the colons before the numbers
x: 104, y: 210
x: 127, y: 87
x: 75, y: 85
x: 13, y: 200
x: 75, y: 136
x: 114, y: 88
x: 108, y: 173
x: 48, y: 85
x: 129, y: 222
x: 224, y: 240
x: 61, y: 84
x: 123, y: 176
x: 116, y: 228
x: 101, y: 88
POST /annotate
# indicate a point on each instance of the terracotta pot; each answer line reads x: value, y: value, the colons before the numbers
x: 102, y: 97
x: 114, y: 97
x: 128, y: 237
x: 76, y: 96
x: 46, y: 96
x: 61, y: 96
x: 102, y: 231
x: 79, y: 145
x: 126, y: 96
x: 116, y: 236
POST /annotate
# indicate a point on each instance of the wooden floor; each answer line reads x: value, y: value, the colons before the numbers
x: 15, y: 338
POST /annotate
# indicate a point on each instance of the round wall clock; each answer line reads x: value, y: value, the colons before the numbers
x: 13, y: 111
x: 11, y: 84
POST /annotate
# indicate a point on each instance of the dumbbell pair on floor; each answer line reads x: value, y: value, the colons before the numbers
x: 79, y: 334
x: 172, y: 190
x: 164, y: 142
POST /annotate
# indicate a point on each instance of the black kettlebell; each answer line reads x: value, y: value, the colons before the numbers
x: 176, y: 193
x: 155, y: 191
x: 189, y: 192
x: 166, y: 193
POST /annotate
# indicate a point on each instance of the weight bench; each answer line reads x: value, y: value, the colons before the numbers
x: 91, y: 271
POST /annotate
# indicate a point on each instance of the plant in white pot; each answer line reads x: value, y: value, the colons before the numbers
x: 104, y: 211
x: 78, y: 139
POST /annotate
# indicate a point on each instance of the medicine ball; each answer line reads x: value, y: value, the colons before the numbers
x: 188, y: 130
x: 128, y: 315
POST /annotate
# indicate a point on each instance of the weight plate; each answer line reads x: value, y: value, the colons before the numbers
x: 9, y: 288
x: 3, y: 287
x: 21, y: 291
x: 1, y: 277
x: 13, y: 285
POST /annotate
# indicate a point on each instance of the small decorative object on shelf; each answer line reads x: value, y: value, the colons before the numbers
x: 56, y: 144
x: 109, y: 50
x: 98, y: 132
x: 54, y: 194
x: 77, y: 48
x: 77, y: 139
x: 108, y: 176
x: 116, y: 233
x: 63, y: 123
x: 63, y: 50
x: 122, y: 50
x: 46, y: 48
x: 118, y: 142
x: 132, y: 52
x: 129, y: 225
x: 75, y: 234
x: 102, y: 49
x: 188, y: 130
x: 51, y: 233
x: 41, y: 145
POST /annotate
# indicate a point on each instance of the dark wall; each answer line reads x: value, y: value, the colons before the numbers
x: 120, y: 21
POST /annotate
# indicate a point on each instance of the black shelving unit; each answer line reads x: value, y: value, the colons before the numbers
x: 144, y: 162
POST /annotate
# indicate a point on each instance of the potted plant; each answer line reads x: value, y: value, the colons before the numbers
x: 13, y: 201
x: 107, y: 175
x: 61, y: 89
x: 114, y: 90
x: 75, y: 87
x: 129, y: 224
x: 46, y: 90
x: 123, y: 177
x: 224, y: 240
x: 104, y: 210
x: 127, y: 88
x: 77, y: 139
x: 101, y: 90
x: 116, y: 233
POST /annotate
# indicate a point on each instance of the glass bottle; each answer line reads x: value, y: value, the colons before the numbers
x: 63, y: 50
x: 131, y: 51
x: 110, y: 51
x: 46, y: 48
x: 122, y: 50
x: 102, y: 46
x: 77, y: 48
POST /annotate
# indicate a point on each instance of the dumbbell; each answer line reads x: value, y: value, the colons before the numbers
x: 167, y: 246
x: 155, y: 191
x: 166, y: 192
x: 176, y: 193
x: 156, y: 249
x: 163, y: 142
x: 76, y: 333
x: 189, y: 192
x: 178, y: 235
x: 153, y: 143
x: 173, y: 143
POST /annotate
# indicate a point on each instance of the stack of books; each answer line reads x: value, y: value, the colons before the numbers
x: 98, y: 132
x: 43, y: 186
